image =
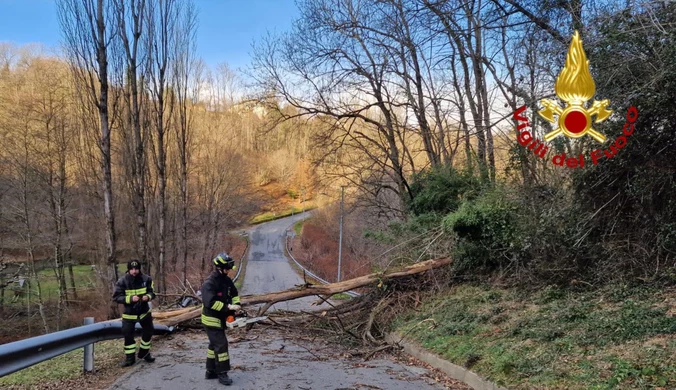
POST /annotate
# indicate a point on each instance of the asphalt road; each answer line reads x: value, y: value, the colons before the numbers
x: 270, y: 358
x: 268, y: 269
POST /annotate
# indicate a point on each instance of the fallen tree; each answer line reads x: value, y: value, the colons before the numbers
x: 324, y: 291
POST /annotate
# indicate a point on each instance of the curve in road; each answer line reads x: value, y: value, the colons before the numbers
x: 268, y: 269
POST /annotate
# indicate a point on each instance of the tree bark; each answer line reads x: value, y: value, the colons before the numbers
x: 28, y: 234
x: 185, y: 64
x: 175, y: 317
x: 72, y: 281
x: 131, y: 46
x: 162, y: 22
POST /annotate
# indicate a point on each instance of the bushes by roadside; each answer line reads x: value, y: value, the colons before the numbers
x: 532, y: 236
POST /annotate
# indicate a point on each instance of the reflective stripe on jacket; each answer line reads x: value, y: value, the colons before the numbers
x: 218, y: 291
x: 128, y: 287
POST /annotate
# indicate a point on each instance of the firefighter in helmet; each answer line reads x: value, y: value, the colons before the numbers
x: 135, y: 290
x: 219, y: 300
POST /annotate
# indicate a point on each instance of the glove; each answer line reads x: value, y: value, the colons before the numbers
x: 234, y: 307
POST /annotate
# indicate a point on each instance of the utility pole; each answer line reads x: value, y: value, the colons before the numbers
x: 340, y: 240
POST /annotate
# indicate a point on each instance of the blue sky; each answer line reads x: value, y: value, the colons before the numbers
x: 225, y: 32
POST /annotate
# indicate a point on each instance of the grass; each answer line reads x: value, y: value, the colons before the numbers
x: 341, y: 297
x: 271, y: 216
x: 614, y: 338
x: 84, y: 279
x: 66, y: 366
x: 298, y: 227
x: 83, y: 274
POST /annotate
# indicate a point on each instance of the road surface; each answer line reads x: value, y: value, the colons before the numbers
x: 270, y: 358
x: 268, y: 269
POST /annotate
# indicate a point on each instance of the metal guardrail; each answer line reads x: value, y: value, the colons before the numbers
x: 241, y: 259
x: 25, y: 353
x: 307, y: 271
x: 21, y: 354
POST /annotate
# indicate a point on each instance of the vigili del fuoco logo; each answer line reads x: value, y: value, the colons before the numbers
x: 575, y: 87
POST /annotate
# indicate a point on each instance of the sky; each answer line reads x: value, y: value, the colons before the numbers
x: 225, y: 32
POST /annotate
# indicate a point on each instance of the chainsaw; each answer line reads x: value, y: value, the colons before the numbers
x: 241, y: 319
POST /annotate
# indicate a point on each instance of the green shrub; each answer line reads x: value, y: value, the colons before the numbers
x: 441, y: 190
x: 488, y: 231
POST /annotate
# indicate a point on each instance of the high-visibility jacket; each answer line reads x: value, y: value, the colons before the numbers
x: 129, y: 286
x: 218, y: 291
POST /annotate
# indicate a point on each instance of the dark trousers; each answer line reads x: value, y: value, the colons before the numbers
x: 147, y: 334
x: 218, y: 359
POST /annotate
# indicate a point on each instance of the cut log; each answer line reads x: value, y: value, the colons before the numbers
x: 170, y: 313
x: 178, y: 316
x: 177, y: 319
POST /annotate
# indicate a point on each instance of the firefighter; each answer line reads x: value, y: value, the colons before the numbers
x: 219, y: 300
x: 135, y: 290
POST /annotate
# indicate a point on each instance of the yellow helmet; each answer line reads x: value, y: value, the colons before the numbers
x: 224, y: 261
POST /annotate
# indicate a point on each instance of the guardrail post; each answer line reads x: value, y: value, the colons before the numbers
x: 89, y: 350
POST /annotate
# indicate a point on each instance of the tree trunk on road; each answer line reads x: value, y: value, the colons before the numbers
x: 177, y: 316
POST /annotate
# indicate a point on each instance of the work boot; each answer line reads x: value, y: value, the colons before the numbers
x: 224, y: 379
x: 129, y: 361
x: 147, y: 357
x: 210, y: 375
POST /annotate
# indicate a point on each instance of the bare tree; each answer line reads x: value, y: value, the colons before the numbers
x: 163, y: 17
x: 406, y: 47
x: 334, y: 67
x: 89, y: 29
x: 467, y: 40
x: 53, y: 133
x: 26, y: 197
x: 181, y: 79
x: 131, y: 17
